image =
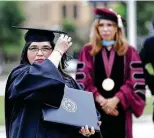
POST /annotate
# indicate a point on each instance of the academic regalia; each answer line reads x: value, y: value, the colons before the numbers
x: 127, y: 74
x: 147, y: 57
x: 32, y: 87
x: 29, y: 88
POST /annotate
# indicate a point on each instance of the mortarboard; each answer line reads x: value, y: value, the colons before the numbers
x: 39, y: 35
x: 109, y: 14
x: 74, y: 110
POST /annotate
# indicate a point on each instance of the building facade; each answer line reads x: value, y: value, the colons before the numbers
x: 51, y: 14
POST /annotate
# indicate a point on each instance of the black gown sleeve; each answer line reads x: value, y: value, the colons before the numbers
x: 38, y: 82
x: 147, y: 57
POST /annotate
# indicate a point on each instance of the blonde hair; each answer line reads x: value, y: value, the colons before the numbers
x: 120, y: 46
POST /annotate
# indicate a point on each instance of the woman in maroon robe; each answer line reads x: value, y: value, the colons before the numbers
x: 111, y: 69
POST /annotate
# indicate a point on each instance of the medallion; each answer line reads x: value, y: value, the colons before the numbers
x: 108, y: 84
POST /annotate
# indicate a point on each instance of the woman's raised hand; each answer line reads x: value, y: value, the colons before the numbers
x: 63, y: 43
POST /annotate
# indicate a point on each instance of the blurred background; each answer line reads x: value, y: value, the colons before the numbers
x: 74, y: 17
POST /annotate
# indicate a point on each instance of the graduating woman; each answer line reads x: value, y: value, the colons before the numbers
x: 111, y: 69
x: 39, y: 81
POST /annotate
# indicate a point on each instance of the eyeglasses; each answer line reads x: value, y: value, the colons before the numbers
x: 44, y: 50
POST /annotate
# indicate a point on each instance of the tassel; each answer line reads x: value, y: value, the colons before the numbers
x: 111, y: 9
x: 120, y: 24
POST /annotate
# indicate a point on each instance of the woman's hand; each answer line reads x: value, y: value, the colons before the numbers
x: 86, y: 131
x: 113, y: 112
x: 103, y: 103
x: 108, y: 105
x: 63, y: 43
x: 101, y: 100
x: 111, y: 105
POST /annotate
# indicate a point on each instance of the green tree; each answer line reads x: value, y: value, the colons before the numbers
x: 69, y: 27
x: 121, y: 8
x: 10, y: 14
x: 145, y: 13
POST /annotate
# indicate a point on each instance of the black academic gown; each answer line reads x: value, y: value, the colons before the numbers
x: 28, y: 88
x: 112, y: 126
x: 147, y: 56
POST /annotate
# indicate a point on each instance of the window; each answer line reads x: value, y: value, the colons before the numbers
x: 75, y: 11
x: 64, y: 11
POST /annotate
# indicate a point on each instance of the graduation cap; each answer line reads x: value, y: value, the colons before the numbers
x: 109, y: 14
x: 39, y: 35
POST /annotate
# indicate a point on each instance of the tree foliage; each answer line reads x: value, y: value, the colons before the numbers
x: 121, y: 8
x: 10, y: 14
x: 70, y: 27
x: 145, y: 14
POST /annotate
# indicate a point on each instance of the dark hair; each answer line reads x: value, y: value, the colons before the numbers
x: 24, y: 59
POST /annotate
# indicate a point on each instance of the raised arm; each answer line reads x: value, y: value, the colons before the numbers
x: 39, y: 81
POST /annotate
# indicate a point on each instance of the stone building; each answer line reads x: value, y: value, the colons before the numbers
x: 51, y: 14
